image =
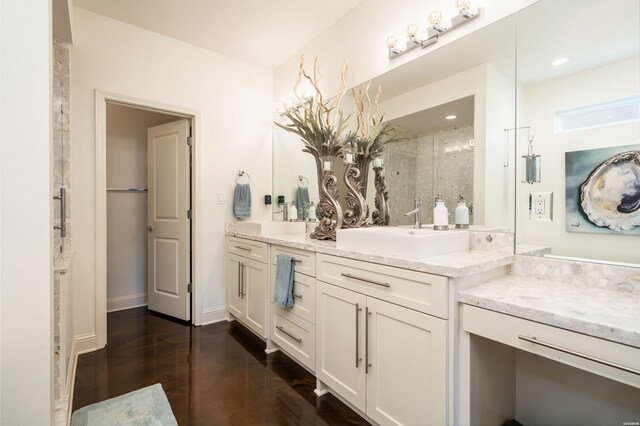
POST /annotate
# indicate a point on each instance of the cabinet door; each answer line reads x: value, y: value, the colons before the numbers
x: 340, y: 341
x: 235, y: 302
x: 406, y: 383
x: 254, y: 290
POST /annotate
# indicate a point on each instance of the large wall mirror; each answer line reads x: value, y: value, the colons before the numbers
x: 579, y: 97
x: 473, y: 79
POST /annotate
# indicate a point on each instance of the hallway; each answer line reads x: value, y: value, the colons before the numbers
x: 213, y: 375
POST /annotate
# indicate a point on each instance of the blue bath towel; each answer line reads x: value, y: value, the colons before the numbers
x: 302, y: 201
x: 283, y: 291
x: 242, y: 201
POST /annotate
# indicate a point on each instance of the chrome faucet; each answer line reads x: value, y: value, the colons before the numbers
x: 417, y: 212
x: 284, y: 211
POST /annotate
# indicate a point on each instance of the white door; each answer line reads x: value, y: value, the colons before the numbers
x: 236, y: 304
x: 406, y: 383
x: 255, y: 279
x: 168, y: 265
x: 340, y: 355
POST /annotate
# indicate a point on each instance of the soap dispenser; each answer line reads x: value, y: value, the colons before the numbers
x: 312, y: 212
x: 293, y: 212
x: 462, y: 214
x: 440, y: 215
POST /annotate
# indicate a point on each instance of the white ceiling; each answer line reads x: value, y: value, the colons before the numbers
x: 261, y: 32
x: 433, y: 119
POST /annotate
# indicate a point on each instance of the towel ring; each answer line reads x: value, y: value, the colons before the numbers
x: 242, y: 173
x: 300, y: 180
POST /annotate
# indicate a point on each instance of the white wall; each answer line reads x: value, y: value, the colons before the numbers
x: 235, y: 102
x: 359, y: 38
x: 127, y: 211
x: 541, y: 102
x: 26, y: 280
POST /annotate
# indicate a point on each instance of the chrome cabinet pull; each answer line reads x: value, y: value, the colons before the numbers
x: 63, y: 212
x: 297, y: 260
x: 367, y: 313
x: 535, y: 341
x: 239, y: 275
x: 353, y: 277
x: 281, y: 328
x: 297, y: 296
x: 358, y: 310
x: 242, y: 293
x: 243, y: 248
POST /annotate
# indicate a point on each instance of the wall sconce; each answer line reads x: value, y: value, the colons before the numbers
x: 465, y: 12
x: 531, y: 165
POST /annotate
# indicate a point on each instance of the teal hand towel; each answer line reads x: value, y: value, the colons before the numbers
x: 242, y: 201
x: 283, y: 291
x: 302, y: 201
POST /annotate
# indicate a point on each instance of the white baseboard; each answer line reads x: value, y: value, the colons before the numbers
x: 126, y: 302
x: 211, y: 315
x: 83, y: 343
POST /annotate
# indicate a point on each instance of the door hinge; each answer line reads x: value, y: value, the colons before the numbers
x: 189, y: 214
x: 189, y: 288
x: 189, y: 140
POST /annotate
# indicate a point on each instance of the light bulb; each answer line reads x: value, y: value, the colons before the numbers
x: 463, y: 5
x: 392, y: 42
x: 435, y: 18
x: 412, y: 30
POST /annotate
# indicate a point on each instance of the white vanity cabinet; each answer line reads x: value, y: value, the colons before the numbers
x: 387, y: 359
x: 247, y: 283
x: 294, y: 329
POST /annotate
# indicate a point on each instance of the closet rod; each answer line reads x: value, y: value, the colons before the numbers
x: 127, y: 189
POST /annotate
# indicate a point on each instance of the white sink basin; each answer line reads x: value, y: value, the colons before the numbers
x: 402, y: 242
x: 267, y: 227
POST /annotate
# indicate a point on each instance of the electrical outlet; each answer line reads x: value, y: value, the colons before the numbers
x: 220, y: 197
x: 541, y: 206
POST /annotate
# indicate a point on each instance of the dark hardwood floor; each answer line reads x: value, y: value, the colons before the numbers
x: 213, y: 375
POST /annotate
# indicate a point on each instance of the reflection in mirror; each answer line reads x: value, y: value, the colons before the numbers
x: 579, y: 91
x: 475, y: 74
x: 436, y: 158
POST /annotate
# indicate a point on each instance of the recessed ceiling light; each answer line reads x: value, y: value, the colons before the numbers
x: 560, y: 61
x: 451, y: 117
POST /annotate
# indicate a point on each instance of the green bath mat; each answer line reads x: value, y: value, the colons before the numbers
x: 146, y: 406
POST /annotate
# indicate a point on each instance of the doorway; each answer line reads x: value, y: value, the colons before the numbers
x: 145, y: 208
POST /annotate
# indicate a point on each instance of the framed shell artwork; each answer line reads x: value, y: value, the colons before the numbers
x: 603, y: 190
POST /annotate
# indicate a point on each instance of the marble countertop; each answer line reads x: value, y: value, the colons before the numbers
x: 608, y: 313
x: 450, y: 265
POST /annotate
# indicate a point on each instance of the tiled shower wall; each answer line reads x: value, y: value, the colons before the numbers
x: 426, y: 165
x: 61, y: 150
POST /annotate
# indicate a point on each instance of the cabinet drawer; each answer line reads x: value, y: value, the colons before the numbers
x: 305, y: 260
x: 304, y: 297
x: 567, y: 347
x: 297, y: 338
x: 416, y: 290
x: 255, y: 250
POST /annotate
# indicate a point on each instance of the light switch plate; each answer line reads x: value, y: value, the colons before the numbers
x: 220, y: 197
x: 541, y: 206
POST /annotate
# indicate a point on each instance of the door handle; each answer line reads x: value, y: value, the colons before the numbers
x: 241, y: 280
x: 244, y: 270
x: 358, y: 310
x: 239, y: 275
x: 149, y: 228
x: 367, y: 313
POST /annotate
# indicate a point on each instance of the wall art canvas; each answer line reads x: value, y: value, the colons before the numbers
x: 603, y: 190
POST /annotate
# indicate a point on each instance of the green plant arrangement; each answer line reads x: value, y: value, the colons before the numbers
x: 320, y: 124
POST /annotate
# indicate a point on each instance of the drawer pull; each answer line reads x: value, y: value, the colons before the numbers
x: 535, y: 341
x: 297, y: 260
x: 297, y: 296
x: 243, y: 248
x: 353, y: 277
x: 281, y: 328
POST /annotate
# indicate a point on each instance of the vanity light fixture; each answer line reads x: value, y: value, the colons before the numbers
x: 451, y: 117
x: 560, y: 61
x: 437, y: 26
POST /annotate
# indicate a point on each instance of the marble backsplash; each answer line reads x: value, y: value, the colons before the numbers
x: 619, y: 278
x: 499, y: 242
x: 61, y: 150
